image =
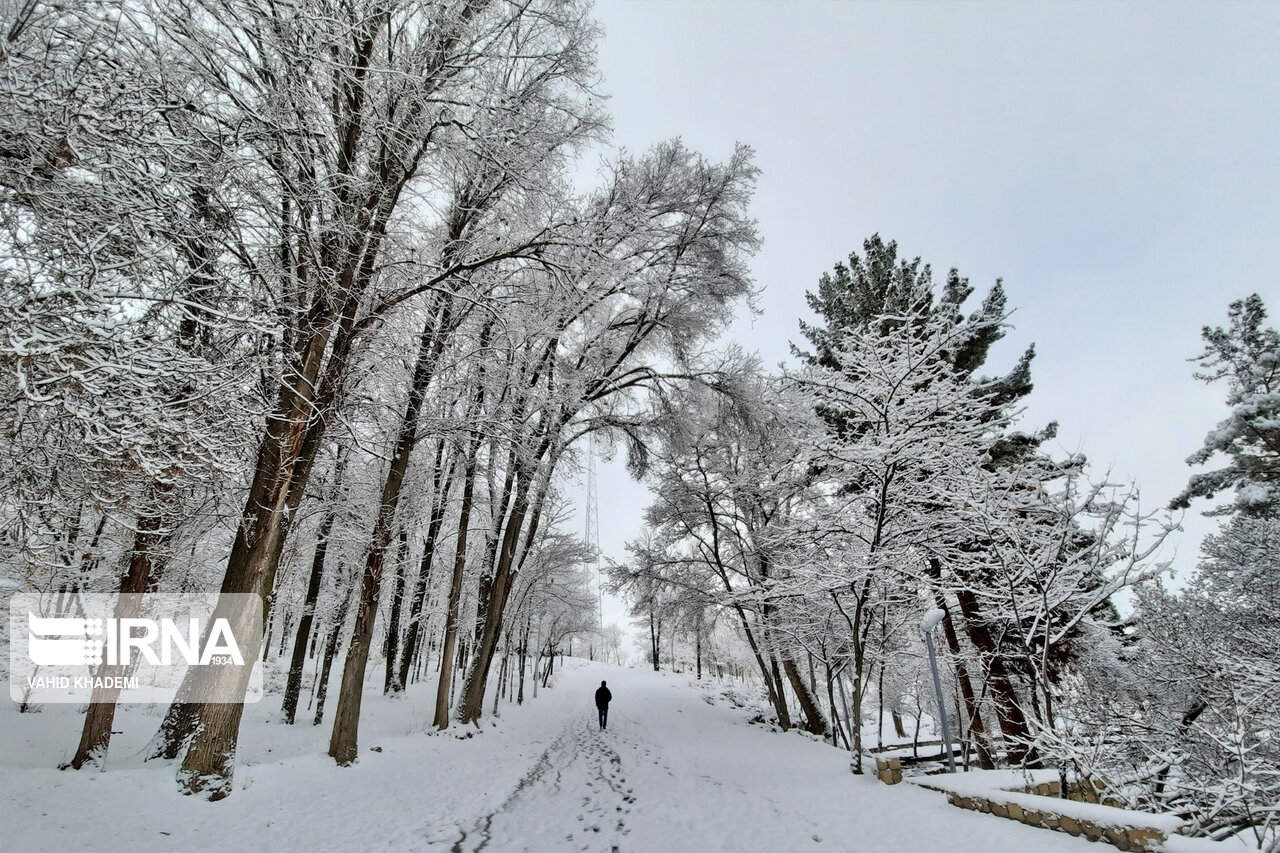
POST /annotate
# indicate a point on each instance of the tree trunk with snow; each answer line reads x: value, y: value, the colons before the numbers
x: 142, y: 574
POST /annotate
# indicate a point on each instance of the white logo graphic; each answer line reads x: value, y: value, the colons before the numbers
x: 82, y: 647
x: 144, y: 647
x: 121, y: 638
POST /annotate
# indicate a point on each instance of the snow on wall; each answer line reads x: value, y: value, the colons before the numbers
x: 1008, y: 794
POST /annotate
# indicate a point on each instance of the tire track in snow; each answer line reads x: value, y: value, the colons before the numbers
x: 574, y: 797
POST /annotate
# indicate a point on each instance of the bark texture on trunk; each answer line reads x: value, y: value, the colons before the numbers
x: 331, y: 652
x: 143, y: 573
x: 981, y: 738
x: 528, y: 500
x: 814, y: 723
x: 1013, y: 722
x: 208, y: 732
x: 390, y: 680
x: 293, y: 685
x: 442, y: 483
x: 441, y: 719
x: 346, y: 725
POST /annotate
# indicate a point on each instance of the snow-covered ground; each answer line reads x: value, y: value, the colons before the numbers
x: 675, y: 771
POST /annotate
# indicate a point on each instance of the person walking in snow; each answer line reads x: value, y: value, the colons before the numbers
x: 602, y: 703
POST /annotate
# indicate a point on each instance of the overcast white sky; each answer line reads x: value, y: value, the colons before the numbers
x: 1115, y: 163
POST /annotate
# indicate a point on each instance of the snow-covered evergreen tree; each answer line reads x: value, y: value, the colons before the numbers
x: 1246, y: 355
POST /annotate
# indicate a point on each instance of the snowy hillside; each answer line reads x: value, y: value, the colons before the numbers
x: 676, y: 770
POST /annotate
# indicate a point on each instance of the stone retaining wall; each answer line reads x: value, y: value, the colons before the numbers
x: 1083, y: 791
x: 889, y: 771
x: 1086, y: 811
x: 1124, y: 837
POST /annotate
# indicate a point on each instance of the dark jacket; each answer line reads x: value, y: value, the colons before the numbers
x: 603, y: 696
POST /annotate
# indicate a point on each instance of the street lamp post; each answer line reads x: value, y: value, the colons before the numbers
x: 930, y: 621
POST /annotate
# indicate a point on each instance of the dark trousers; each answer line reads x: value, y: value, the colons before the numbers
x: 604, y: 715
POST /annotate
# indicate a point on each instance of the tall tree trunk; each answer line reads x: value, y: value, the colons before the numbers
x: 502, y: 672
x: 858, y: 633
x: 142, y: 574
x: 442, y: 483
x: 880, y: 699
x: 771, y: 657
x: 209, y: 731
x: 346, y: 724
x: 441, y: 720
x: 524, y: 655
x: 853, y: 714
x: 551, y: 662
x: 785, y: 719
x: 390, y: 680
x: 1013, y: 723
x: 516, y: 542
x: 772, y: 688
x: 837, y: 730
x: 814, y: 723
x: 330, y: 652
x: 653, y: 640
x: 981, y: 737
x: 293, y: 685
x: 472, y: 703
x: 697, y: 639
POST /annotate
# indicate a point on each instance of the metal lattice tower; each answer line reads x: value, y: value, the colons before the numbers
x: 592, y: 533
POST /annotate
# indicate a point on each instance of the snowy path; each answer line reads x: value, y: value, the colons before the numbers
x: 579, y: 773
x: 674, y: 772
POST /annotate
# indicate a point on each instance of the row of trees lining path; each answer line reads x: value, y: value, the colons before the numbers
x: 302, y: 301
x: 335, y: 247
x: 806, y: 520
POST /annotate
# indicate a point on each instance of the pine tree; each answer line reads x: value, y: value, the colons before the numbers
x: 1247, y: 355
x: 877, y: 293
